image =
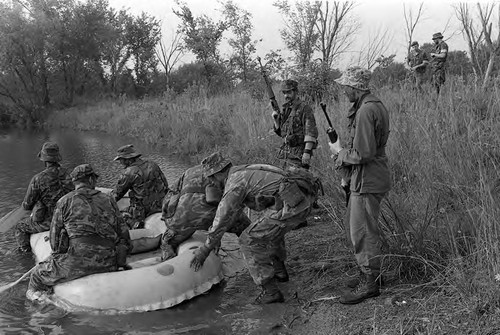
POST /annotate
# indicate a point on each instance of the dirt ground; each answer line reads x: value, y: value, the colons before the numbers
x: 319, y: 261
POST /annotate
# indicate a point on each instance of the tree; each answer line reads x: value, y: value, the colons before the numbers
x: 300, y: 34
x: 168, y: 56
x: 378, y: 43
x: 411, y: 21
x: 202, y: 36
x: 239, y: 21
x: 336, y: 28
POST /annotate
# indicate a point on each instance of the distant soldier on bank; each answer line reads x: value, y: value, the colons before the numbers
x: 417, y: 62
x: 44, y: 190
x: 438, y: 60
x: 145, y: 182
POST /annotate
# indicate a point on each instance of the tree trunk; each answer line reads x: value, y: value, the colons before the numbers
x: 487, y: 74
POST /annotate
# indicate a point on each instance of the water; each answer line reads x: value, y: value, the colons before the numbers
x: 226, y: 309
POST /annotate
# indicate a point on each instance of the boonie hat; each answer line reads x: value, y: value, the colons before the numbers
x: 436, y: 36
x: 214, y: 163
x: 289, y: 85
x: 127, y: 151
x: 356, y: 77
x: 81, y: 171
x: 414, y: 43
x: 50, y: 152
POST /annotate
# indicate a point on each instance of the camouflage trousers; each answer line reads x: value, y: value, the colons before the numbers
x: 135, y: 215
x: 263, y: 242
x: 192, y: 214
x: 25, y: 228
x: 361, y: 223
x: 438, y: 78
x: 80, y: 260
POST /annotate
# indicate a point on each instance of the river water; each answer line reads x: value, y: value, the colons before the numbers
x: 226, y: 309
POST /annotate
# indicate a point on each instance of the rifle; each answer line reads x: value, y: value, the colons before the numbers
x: 270, y: 92
x: 333, y: 137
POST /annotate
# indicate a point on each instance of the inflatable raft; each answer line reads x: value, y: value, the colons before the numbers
x: 149, y: 285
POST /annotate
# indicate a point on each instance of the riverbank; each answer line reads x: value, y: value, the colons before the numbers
x: 439, y: 222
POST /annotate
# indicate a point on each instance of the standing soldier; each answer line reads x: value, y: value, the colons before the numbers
x: 145, y: 181
x: 44, y: 190
x: 191, y: 205
x: 417, y: 62
x: 297, y: 126
x: 365, y: 159
x: 438, y: 60
x: 286, y: 195
x: 86, y: 236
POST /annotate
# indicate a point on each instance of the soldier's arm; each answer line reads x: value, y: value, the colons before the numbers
x: 56, y: 226
x: 33, y: 194
x: 121, y: 229
x: 228, y: 210
x: 124, y: 183
x: 163, y: 179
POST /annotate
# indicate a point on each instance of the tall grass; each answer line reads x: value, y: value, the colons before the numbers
x: 440, y: 221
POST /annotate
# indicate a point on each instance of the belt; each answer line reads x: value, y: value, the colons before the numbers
x: 92, y: 240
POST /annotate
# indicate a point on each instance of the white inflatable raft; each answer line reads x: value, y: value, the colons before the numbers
x: 149, y: 285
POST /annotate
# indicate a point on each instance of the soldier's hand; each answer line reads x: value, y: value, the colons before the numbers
x: 306, y: 158
x: 335, y: 147
x: 200, y: 255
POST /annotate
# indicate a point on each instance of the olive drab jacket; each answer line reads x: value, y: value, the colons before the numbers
x: 260, y: 187
x: 364, y: 156
x: 297, y: 126
x: 86, y: 212
x: 147, y: 185
x: 44, y: 190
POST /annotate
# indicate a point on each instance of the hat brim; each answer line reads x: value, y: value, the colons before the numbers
x: 49, y: 158
x: 127, y: 156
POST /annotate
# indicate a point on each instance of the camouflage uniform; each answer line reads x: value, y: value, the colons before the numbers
x: 44, y: 190
x: 86, y: 230
x: 148, y: 186
x: 191, y: 211
x: 297, y: 126
x: 260, y: 187
x: 438, y: 64
x: 417, y: 57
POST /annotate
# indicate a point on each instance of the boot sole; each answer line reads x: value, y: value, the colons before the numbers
x: 354, y: 302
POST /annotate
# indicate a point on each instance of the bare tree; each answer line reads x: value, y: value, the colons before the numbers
x: 411, y: 21
x: 169, y: 55
x: 493, y: 47
x: 336, y: 27
x: 473, y: 35
x: 378, y: 43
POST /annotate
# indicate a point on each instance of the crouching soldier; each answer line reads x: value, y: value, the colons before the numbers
x: 44, y: 190
x: 87, y: 234
x: 287, y: 196
x: 145, y: 181
x: 191, y: 205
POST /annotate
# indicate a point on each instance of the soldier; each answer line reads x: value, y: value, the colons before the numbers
x: 365, y: 161
x: 44, y: 190
x: 191, y: 205
x: 297, y: 126
x: 417, y: 62
x: 145, y: 181
x: 286, y: 195
x: 86, y: 231
x: 438, y: 60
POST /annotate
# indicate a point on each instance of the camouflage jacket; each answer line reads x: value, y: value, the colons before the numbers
x: 245, y: 186
x: 44, y: 190
x: 416, y: 58
x: 191, y: 181
x: 86, y: 212
x: 147, y: 185
x: 297, y: 126
x: 438, y: 63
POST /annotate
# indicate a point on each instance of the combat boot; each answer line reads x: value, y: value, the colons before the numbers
x: 367, y: 288
x: 353, y: 282
x: 270, y: 293
x: 167, y: 252
x: 280, y: 272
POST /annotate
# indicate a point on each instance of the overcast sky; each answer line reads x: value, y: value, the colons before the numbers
x: 439, y: 16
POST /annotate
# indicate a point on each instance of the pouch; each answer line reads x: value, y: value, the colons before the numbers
x: 290, y: 193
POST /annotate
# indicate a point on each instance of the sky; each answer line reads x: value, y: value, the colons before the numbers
x: 438, y: 16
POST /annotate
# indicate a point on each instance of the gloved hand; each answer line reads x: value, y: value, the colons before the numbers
x: 335, y: 147
x: 306, y: 158
x: 200, y: 255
